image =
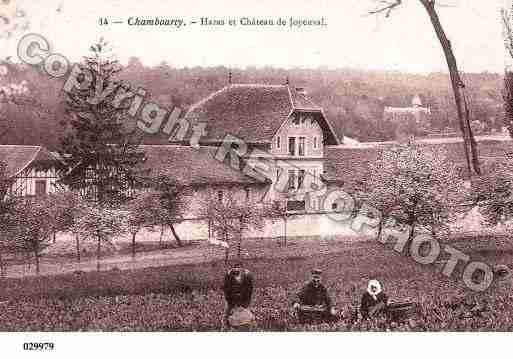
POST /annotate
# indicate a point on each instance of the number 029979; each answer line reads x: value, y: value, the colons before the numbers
x: 38, y: 346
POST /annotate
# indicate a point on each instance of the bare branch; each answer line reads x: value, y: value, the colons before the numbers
x: 508, y: 31
x: 387, y: 8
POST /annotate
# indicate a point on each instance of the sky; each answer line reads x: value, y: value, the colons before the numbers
x: 405, y: 41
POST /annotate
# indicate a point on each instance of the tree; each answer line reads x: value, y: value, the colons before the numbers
x: 494, y: 194
x: 32, y: 227
x: 100, y: 154
x: 7, y: 206
x: 507, y: 17
x: 458, y: 86
x: 142, y: 211
x: 277, y: 210
x: 171, y: 196
x: 65, y: 207
x: 417, y: 186
x: 99, y: 223
x: 230, y: 218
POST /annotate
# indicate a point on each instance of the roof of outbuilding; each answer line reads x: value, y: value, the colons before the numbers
x: 349, y: 166
x: 253, y: 112
x: 193, y: 165
x: 18, y: 157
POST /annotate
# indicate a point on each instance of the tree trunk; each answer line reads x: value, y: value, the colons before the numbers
x: 470, y: 144
x: 98, y: 253
x: 226, y: 251
x: 2, y: 265
x: 36, y: 257
x: 285, y: 231
x: 239, y: 245
x: 133, y: 244
x: 178, y: 240
x: 410, y: 238
x: 380, y: 230
x: 161, y: 235
x: 54, y: 237
x: 77, y: 242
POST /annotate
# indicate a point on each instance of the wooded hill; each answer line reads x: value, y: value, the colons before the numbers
x: 353, y: 100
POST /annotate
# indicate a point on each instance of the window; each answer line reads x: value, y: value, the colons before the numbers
x: 40, y: 188
x: 300, y: 178
x: 292, y: 179
x: 301, y: 149
x: 296, y: 205
x: 295, y: 120
x: 334, y: 206
x: 315, y: 142
x: 220, y: 196
x: 292, y: 146
x: 278, y: 142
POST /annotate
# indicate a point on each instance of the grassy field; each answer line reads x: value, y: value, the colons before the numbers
x: 187, y: 297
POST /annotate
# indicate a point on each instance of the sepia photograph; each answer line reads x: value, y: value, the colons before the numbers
x: 235, y: 167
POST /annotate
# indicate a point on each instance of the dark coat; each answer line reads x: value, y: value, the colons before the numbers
x: 238, y: 294
x: 311, y: 295
x: 368, y: 302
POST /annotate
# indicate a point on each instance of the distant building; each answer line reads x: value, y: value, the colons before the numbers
x: 416, y: 112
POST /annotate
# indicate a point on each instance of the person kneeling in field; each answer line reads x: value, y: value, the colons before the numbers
x: 238, y: 288
x: 313, y: 301
x: 374, y: 300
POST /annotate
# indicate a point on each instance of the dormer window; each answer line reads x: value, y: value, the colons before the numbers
x: 278, y: 142
x: 296, y: 119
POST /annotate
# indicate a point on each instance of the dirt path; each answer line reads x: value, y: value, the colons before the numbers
x: 193, y: 254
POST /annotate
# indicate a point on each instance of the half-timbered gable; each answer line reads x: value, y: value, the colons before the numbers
x: 30, y: 170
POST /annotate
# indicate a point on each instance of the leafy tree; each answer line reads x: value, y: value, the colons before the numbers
x: 278, y: 209
x: 100, y: 154
x: 65, y: 208
x: 7, y: 206
x: 171, y: 197
x: 143, y: 211
x: 32, y: 227
x: 418, y: 186
x: 494, y: 194
x: 99, y: 223
x: 230, y: 218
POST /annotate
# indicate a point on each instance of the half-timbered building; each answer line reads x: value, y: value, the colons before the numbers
x: 30, y: 171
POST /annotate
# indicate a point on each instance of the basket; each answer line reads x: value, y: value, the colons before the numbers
x: 398, y: 312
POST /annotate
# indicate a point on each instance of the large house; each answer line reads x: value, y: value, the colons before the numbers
x: 281, y: 128
x: 416, y: 112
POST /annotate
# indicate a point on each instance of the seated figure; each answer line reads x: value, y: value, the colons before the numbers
x: 374, y: 300
x: 313, y: 301
x: 237, y: 288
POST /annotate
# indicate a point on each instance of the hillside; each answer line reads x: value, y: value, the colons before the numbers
x: 353, y: 100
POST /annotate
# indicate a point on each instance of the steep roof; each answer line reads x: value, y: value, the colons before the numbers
x: 253, y: 112
x: 19, y: 157
x: 192, y: 165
